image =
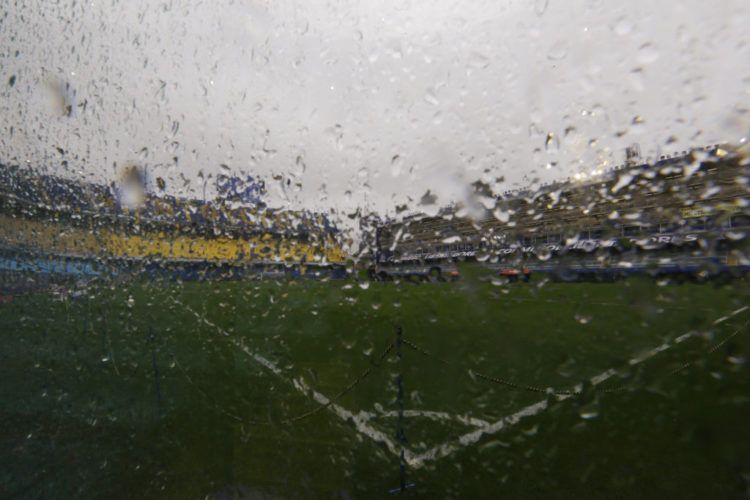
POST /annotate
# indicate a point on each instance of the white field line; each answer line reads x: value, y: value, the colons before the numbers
x: 416, y: 461
x: 438, y: 416
x: 359, y: 420
x: 470, y: 438
x: 733, y: 313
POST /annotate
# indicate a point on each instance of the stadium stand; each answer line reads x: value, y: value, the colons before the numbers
x: 679, y: 214
x: 47, y: 217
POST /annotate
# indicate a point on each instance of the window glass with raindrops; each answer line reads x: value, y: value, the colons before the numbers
x: 279, y: 249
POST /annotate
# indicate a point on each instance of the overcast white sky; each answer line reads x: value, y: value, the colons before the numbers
x: 368, y: 103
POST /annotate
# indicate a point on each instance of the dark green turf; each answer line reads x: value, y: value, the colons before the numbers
x: 85, y: 417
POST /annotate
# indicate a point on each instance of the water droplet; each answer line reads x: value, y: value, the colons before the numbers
x: 501, y: 215
x: 737, y: 359
x: 540, y: 7
x: 623, y: 26
x: 734, y: 235
x: 543, y: 253
x: 531, y: 431
x: 624, y: 180
x: 583, y: 319
x: 551, y: 143
x: 588, y: 412
x: 396, y: 165
x: 428, y: 199
x: 558, y: 52
x: 647, y: 54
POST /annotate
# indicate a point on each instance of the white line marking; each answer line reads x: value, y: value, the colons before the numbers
x: 733, y: 313
x: 431, y: 415
x: 359, y: 420
x: 449, y: 447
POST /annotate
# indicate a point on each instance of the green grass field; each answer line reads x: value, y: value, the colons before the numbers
x: 160, y: 390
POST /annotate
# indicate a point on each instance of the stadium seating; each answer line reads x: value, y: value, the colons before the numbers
x: 52, y: 215
x: 630, y: 202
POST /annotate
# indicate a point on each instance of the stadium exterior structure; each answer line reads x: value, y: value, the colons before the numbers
x: 52, y: 225
x: 687, y: 213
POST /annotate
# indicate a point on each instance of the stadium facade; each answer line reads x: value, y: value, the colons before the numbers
x: 686, y: 213
x: 53, y: 225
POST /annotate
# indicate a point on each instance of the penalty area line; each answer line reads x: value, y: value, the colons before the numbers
x: 470, y: 438
x: 414, y: 460
x: 359, y: 419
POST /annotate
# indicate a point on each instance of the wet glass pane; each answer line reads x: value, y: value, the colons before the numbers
x: 355, y: 250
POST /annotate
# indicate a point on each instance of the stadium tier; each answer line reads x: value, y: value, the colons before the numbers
x: 683, y: 213
x: 44, y: 219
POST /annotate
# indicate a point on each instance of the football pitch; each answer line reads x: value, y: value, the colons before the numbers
x: 346, y: 389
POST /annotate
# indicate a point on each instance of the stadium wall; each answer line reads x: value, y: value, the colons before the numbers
x: 101, y: 242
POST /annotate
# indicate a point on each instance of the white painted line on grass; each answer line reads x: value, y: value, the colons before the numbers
x: 438, y: 416
x: 448, y: 448
x: 733, y: 313
x: 484, y: 428
x: 359, y: 420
